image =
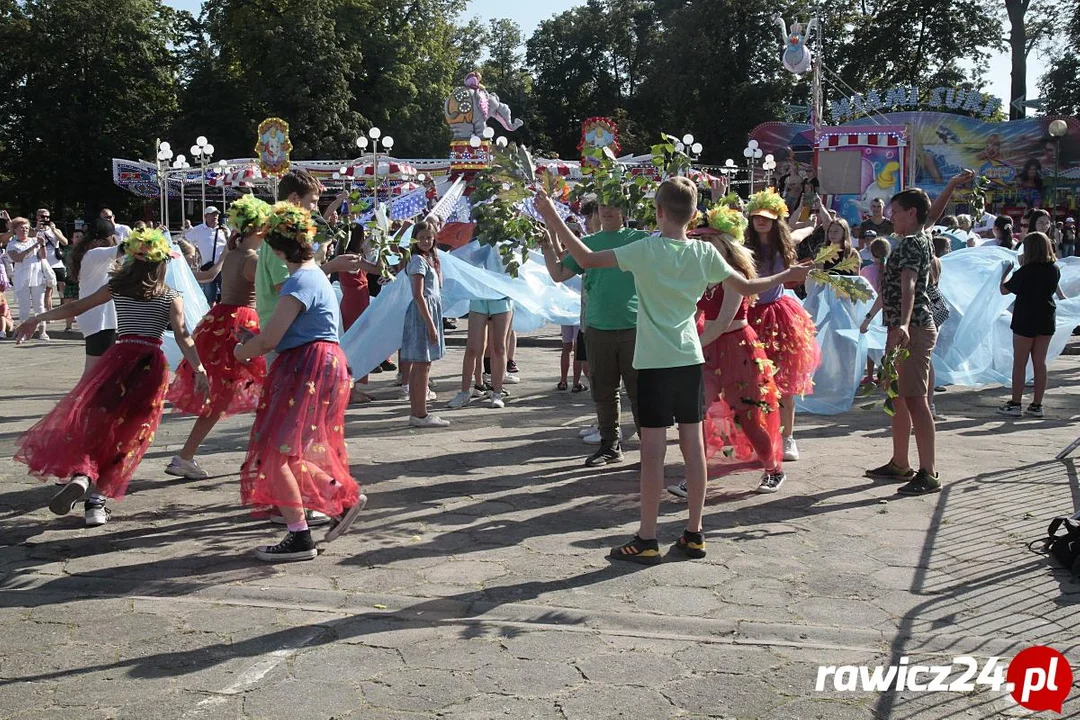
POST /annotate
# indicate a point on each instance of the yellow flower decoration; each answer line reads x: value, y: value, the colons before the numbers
x: 293, y: 222
x: 727, y: 220
x: 148, y: 245
x: 248, y: 214
x: 767, y: 203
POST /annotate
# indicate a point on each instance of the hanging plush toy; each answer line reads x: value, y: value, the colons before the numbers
x: 797, y: 55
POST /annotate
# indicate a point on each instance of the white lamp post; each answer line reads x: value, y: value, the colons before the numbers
x: 1057, y: 130
x: 181, y: 165
x: 752, y: 153
x: 377, y: 139
x: 201, y: 152
x: 164, y: 155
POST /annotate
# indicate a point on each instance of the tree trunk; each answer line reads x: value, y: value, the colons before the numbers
x: 1017, y: 9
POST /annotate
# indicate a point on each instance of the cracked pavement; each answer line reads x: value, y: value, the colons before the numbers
x: 475, y: 584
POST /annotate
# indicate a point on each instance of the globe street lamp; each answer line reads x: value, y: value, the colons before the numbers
x: 752, y: 153
x: 768, y: 166
x: 377, y: 139
x: 223, y: 168
x: 180, y: 166
x: 164, y: 155
x: 201, y: 152
x: 1057, y: 129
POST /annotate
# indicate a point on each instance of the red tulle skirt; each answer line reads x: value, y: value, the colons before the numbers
x: 235, y: 386
x: 103, y: 427
x: 790, y: 340
x: 299, y: 434
x: 742, y: 421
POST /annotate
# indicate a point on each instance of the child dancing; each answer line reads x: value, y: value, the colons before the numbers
x: 234, y: 386
x: 296, y: 457
x: 99, y: 432
x: 781, y: 323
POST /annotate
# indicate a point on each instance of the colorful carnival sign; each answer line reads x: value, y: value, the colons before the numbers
x: 965, y: 100
x: 273, y: 147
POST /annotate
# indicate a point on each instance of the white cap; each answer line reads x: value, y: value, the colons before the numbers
x: 211, y: 210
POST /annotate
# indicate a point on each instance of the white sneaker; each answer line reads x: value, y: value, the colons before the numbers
x: 594, y: 439
x: 460, y: 400
x: 179, y: 467
x: 477, y: 392
x: 431, y: 396
x: 403, y: 394
x: 95, y: 513
x: 429, y: 421
x: 63, y: 501
x: 314, y: 518
x: 486, y: 378
x: 511, y: 379
x: 44, y: 336
x: 586, y: 432
x: 495, y: 398
x: 791, y: 450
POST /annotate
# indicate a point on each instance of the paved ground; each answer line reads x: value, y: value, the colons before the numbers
x: 475, y: 585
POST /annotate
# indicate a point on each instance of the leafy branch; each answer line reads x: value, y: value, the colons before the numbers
x: 842, y: 285
x: 890, y: 378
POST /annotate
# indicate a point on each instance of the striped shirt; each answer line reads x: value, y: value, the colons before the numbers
x: 148, y: 318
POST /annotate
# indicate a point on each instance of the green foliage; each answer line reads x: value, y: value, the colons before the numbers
x: 495, y: 194
x: 612, y: 184
x: 890, y: 379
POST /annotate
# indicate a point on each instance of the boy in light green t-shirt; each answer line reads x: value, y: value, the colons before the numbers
x: 671, y: 273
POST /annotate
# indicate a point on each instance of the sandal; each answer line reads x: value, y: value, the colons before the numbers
x: 578, y: 387
x: 561, y: 386
x: 359, y: 397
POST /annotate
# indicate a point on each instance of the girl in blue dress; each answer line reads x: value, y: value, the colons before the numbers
x: 422, y: 341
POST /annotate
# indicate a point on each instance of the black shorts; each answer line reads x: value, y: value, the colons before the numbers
x: 671, y: 395
x: 99, y: 342
x: 61, y: 274
x: 579, y: 348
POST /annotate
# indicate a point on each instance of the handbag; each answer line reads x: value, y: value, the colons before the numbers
x: 49, y: 274
x: 1065, y: 546
x: 939, y: 309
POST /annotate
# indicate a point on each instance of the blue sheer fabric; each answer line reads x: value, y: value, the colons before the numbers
x: 179, y: 277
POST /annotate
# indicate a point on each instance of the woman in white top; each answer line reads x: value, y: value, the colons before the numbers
x: 26, y: 253
x: 91, y: 263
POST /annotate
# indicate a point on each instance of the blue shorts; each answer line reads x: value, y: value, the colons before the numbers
x: 491, y: 308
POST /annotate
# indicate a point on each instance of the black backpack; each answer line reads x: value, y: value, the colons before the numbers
x: 1065, y: 546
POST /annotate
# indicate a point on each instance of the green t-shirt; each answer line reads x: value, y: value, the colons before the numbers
x: 671, y: 276
x: 613, y: 301
x: 270, y: 272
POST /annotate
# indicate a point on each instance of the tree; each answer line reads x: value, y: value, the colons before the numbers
x: 1028, y: 28
x: 85, y: 81
x: 1060, y: 86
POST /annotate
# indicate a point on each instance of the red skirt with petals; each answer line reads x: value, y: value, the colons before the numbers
x: 790, y: 340
x: 235, y: 386
x: 103, y: 427
x: 742, y: 421
x: 298, y: 439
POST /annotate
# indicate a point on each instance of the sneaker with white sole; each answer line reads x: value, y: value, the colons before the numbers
x: 595, y: 439
x: 478, y: 391
x: 179, y: 467
x: 460, y: 400
x: 314, y: 518
x: 1011, y: 409
x: 1035, y: 410
x: 428, y: 421
x: 296, y: 546
x: 511, y: 379
x: 431, y: 396
x: 342, y: 524
x: 95, y: 513
x: 495, y: 398
x: 791, y: 450
x: 678, y: 490
x: 63, y: 501
x: 771, y: 482
x: 586, y: 432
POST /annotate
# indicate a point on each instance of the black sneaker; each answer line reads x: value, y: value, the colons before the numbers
x: 388, y: 365
x: 923, y: 484
x: 642, y: 552
x: 692, y: 545
x: 1035, y: 410
x: 605, y: 456
x: 511, y: 366
x: 890, y: 471
x: 449, y: 323
x: 771, y: 482
x: 295, y: 546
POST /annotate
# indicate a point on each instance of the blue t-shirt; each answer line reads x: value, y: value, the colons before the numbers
x: 319, y: 319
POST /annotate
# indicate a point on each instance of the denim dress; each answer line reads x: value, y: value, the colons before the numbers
x: 415, y: 346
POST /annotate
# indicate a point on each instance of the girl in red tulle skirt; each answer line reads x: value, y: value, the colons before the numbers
x: 742, y: 422
x: 296, y: 457
x: 235, y: 386
x: 782, y: 325
x: 98, y: 433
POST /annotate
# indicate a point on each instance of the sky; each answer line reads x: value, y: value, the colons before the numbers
x: 529, y: 14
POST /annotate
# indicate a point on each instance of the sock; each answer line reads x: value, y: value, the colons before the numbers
x: 96, y: 498
x: 298, y: 527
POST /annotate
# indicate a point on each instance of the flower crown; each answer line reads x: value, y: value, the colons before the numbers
x: 291, y: 222
x: 248, y: 214
x: 767, y: 203
x: 148, y: 245
x: 727, y: 220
